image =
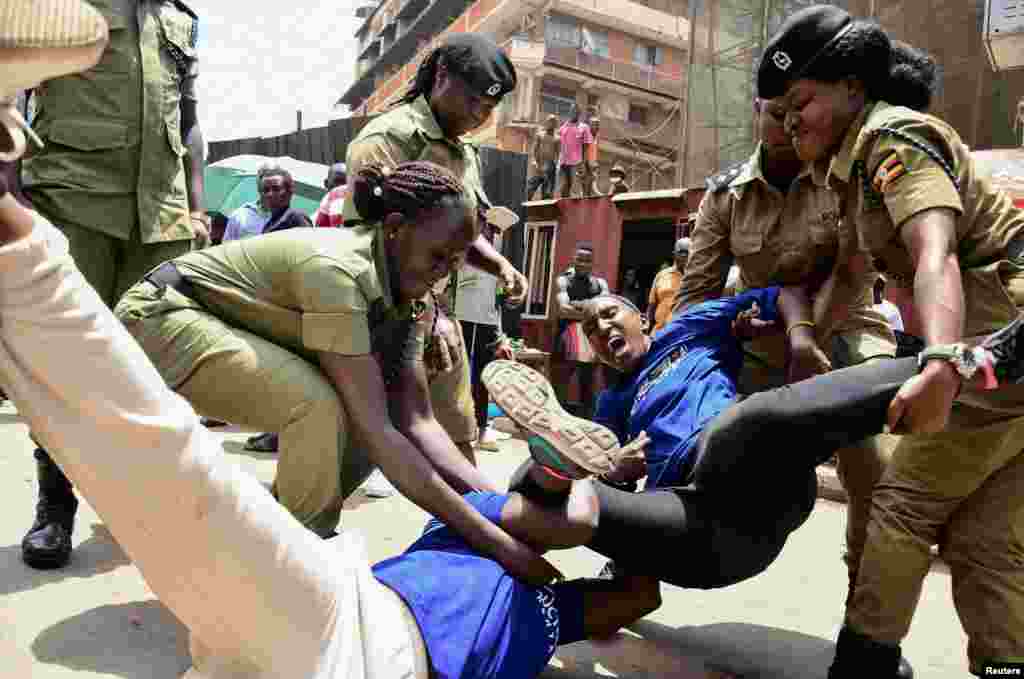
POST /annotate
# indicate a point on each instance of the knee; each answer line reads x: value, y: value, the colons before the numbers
x: 582, y: 513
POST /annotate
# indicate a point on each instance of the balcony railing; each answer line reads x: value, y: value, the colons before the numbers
x: 625, y: 72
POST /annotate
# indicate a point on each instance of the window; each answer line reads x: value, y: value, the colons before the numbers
x: 637, y: 114
x: 540, y: 254
x: 554, y: 99
x: 562, y: 31
x: 648, y: 55
x: 594, y: 42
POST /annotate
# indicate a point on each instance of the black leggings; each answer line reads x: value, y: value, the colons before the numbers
x: 753, y: 481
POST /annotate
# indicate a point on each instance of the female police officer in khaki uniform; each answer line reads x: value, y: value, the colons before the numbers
x: 319, y: 334
x: 780, y: 224
x: 456, y: 88
x: 925, y: 215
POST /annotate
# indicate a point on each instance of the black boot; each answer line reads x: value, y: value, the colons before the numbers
x: 48, y: 542
x: 859, y: 657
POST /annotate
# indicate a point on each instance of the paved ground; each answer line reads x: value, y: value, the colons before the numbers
x: 97, y: 618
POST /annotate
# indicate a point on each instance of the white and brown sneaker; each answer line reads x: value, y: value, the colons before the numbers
x: 569, y: 446
x: 40, y: 40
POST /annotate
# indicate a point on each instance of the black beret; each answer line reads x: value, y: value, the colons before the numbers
x: 800, y: 40
x: 481, y: 63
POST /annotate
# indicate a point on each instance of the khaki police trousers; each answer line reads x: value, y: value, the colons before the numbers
x: 111, y: 265
x: 859, y: 466
x: 962, y: 489
x: 260, y: 595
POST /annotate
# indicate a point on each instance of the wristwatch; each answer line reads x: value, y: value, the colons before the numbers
x: 958, y: 355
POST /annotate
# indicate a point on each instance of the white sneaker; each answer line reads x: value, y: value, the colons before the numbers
x: 377, y: 485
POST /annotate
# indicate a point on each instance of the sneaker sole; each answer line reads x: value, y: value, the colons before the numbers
x: 568, y: 443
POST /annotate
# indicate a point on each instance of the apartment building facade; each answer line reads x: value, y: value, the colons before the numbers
x: 624, y: 59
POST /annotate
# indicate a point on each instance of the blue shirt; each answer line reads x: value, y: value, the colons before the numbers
x: 687, y: 378
x: 477, y: 621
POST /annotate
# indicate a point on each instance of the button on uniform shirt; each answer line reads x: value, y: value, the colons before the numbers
x: 331, y: 210
x: 113, y: 155
x: 888, y: 178
x: 663, y: 295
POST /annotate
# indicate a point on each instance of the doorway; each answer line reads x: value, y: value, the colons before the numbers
x: 646, y: 247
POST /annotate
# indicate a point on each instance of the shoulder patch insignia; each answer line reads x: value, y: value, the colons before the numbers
x: 719, y: 182
x: 889, y: 170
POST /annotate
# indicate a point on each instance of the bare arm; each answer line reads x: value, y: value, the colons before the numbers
x: 566, y: 310
x: 930, y: 237
x: 195, y: 168
x: 923, y: 403
x: 359, y: 381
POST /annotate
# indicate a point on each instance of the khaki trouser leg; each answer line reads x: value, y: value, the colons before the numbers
x: 859, y: 468
x: 451, y: 396
x: 930, y: 480
x: 110, y: 265
x: 984, y: 548
x: 236, y: 376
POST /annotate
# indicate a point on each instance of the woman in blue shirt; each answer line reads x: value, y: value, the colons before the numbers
x: 705, y: 449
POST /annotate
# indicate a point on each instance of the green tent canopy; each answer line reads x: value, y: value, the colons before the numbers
x: 231, y: 182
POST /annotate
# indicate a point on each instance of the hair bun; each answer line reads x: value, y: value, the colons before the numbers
x: 368, y: 193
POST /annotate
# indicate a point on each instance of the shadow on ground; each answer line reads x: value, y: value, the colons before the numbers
x: 649, y: 650
x: 99, y: 553
x: 118, y: 640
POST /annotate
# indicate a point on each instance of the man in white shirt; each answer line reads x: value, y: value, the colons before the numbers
x: 476, y: 307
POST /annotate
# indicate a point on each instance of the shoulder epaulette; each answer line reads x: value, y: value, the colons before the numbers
x: 720, y: 182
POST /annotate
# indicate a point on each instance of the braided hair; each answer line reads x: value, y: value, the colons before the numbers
x: 407, y: 189
x: 426, y: 74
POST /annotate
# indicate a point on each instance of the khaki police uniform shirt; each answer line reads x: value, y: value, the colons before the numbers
x: 113, y: 156
x: 407, y: 133
x: 306, y: 289
x: 774, y: 238
x: 411, y: 132
x: 887, y: 179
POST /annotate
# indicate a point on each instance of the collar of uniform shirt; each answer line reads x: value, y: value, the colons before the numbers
x: 842, y: 164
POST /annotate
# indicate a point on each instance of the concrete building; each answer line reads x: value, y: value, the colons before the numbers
x: 624, y: 59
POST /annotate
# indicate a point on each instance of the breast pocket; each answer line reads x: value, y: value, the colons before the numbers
x: 746, y: 239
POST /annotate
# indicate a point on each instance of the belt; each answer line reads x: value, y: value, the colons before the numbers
x: 167, y: 276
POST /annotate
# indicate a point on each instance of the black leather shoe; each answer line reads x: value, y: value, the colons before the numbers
x: 48, y: 543
x: 859, y: 657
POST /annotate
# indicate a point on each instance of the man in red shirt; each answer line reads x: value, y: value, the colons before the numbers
x: 329, y: 212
